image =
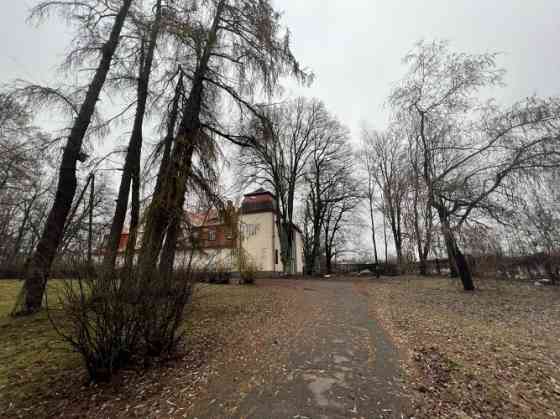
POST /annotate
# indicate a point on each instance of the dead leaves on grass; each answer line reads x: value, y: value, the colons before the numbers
x: 494, y: 353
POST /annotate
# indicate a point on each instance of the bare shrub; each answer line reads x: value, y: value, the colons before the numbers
x: 99, y: 319
x: 162, y: 311
x: 246, y: 266
x: 110, y: 319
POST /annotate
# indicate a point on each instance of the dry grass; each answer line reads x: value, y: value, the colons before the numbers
x: 41, y: 377
x: 492, y: 353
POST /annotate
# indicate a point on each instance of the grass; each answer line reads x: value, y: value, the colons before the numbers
x: 492, y: 353
x: 32, y: 357
x: 40, y: 376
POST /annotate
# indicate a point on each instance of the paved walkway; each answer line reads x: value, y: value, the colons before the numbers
x: 340, y: 365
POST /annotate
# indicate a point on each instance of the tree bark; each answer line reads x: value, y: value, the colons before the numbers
x: 372, y: 219
x: 168, y: 200
x: 131, y: 169
x: 31, y: 295
x: 456, y: 257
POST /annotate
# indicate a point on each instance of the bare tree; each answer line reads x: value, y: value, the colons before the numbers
x: 386, y: 152
x: 31, y: 296
x: 470, y: 149
x: 419, y: 216
x: 281, y: 160
x: 343, y: 200
x: 237, y: 48
x: 131, y: 169
x: 331, y: 156
x: 368, y: 161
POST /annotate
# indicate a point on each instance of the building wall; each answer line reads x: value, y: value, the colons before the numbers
x: 257, y: 239
x: 260, y: 240
x: 207, y: 259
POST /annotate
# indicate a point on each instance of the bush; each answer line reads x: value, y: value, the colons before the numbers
x: 162, y: 311
x: 113, y: 318
x: 99, y: 320
x: 247, y: 268
x: 219, y: 274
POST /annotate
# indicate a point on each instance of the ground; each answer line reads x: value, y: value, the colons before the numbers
x: 494, y: 353
x: 363, y: 348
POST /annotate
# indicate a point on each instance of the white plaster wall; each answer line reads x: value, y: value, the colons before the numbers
x: 256, y: 235
x: 207, y: 259
x: 260, y: 240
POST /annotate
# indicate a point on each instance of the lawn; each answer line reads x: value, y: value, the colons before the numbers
x: 492, y: 353
x: 41, y: 377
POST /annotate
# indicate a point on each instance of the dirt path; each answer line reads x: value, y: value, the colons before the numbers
x: 333, y: 362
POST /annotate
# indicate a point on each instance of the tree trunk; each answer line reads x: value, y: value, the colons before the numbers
x: 167, y: 259
x: 134, y: 220
x: 372, y: 218
x: 131, y: 169
x: 31, y: 295
x: 284, y: 234
x: 167, y: 200
x: 456, y: 257
x: 328, y: 263
x: 385, y: 234
x: 22, y: 228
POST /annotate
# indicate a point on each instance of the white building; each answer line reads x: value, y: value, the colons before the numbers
x: 213, y: 244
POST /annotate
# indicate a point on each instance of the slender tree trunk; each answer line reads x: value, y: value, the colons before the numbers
x: 385, y: 234
x: 329, y: 263
x: 167, y: 260
x: 372, y: 219
x: 456, y: 256
x: 131, y: 169
x: 167, y: 201
x: 31, y: 296
x: 22, y: 227
x: 134, y: 220
x: 328, y: 250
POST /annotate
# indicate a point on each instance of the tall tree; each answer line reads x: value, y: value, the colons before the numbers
x: 31, y: 295
x: 368, y: 161
x: 470, y: 149
x: 342, y: 202
x: 328, y: 165
x: 281, y: 159
x: 237, y: 48
x: 131, y: 169
x: 386, y: 152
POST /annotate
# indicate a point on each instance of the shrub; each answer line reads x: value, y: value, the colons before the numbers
x: 219, y: 273
x: 246, y: 266
x: 99, y: 320
x: 164, y: 302
x: 112, y: 318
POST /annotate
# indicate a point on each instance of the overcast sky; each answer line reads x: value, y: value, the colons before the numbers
x: 354, y: 47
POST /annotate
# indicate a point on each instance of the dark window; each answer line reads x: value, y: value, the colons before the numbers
x: 276, y: 257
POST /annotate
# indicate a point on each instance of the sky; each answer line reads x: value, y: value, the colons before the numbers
x: 354, y: 47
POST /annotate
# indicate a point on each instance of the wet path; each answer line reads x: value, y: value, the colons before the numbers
x: 340, y: 364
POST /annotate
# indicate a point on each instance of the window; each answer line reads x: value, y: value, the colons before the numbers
x: 276, y: 257
x: 229, y: 234
x: 211, y: 235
